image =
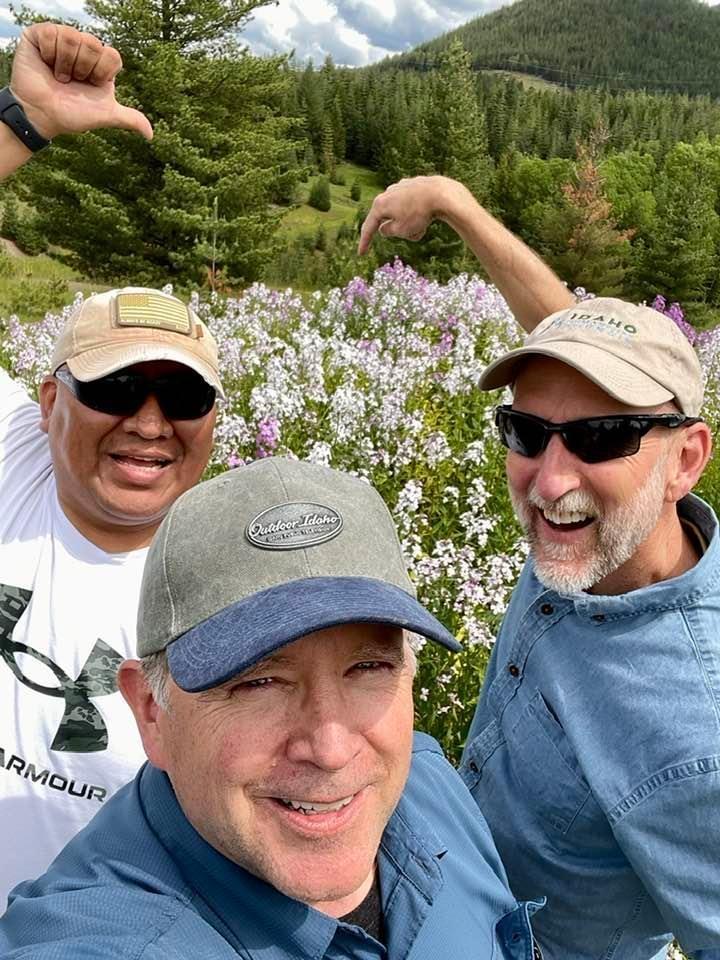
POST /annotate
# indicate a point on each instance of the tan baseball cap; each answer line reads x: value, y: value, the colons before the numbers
x: 635, y: 354
x: 116, y: 329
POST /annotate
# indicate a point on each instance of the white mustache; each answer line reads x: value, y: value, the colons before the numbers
x: 574, y: 501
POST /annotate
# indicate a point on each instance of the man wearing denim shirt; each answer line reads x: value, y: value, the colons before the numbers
x: 594, y: 753
x: 287, y: 812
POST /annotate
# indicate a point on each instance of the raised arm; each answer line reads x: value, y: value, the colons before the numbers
x: 407, y: 208
x: 65, y: 81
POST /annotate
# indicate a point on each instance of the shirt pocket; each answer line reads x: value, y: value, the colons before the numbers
x: 546, y: 767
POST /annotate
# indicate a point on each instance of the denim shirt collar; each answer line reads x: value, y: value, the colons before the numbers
x: 254, y: 917
x: 680, y: 591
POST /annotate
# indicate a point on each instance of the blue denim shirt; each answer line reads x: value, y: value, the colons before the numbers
x: 139, y: 883
x: 594, y: 755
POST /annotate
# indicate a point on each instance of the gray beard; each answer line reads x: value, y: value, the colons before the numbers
x: 570, y: 568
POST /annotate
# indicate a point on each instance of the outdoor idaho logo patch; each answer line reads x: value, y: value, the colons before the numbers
x: 292, y: 526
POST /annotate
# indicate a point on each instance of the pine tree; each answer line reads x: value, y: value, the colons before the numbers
x: 581, y: 238
x: 126, y: 208
x: 460, y: 134
x: 320, y: 194
x: 680, y: 259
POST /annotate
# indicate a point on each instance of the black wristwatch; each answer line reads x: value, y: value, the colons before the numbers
x: 13, y: 114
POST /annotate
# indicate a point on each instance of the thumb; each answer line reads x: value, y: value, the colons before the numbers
x: 128, y: 118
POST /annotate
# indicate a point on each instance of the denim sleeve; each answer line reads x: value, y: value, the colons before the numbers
x: 669, y: 829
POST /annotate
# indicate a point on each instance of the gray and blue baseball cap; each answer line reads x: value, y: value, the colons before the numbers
x: 263, y: 555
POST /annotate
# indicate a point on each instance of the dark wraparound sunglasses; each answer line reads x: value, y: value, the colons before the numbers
x: 182, y: 395
x: 591, y: 440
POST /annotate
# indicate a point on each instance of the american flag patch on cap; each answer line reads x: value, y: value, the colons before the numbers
x: 152, y: 310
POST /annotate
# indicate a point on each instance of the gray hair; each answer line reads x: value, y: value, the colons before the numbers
x: 157, y: 674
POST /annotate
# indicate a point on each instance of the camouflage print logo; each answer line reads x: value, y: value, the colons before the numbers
x: 82, y: 728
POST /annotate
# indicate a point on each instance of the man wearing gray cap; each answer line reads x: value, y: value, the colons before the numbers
x: 287, y: 812
x: 123, y: 427
x: 594, y: 753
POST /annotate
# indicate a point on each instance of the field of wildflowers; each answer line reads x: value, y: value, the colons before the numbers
x: 381, y: 379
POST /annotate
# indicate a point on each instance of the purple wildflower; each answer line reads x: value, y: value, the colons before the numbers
x: 267, y: 438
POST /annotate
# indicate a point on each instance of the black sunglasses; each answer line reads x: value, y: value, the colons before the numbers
x: 182, y: 395
x: 592, y: 439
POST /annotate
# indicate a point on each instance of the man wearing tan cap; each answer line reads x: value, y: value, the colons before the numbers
x: 594, y: 753
x: 123, y: 427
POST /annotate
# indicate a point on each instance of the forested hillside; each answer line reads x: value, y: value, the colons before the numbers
x: 619, y: 191
x: 656, y: 44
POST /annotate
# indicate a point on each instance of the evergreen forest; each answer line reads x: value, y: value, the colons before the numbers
x: 618, y: 189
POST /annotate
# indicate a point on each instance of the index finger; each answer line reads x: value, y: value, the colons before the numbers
x: 370, y: 227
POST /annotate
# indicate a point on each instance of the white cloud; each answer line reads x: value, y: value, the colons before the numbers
x: 357, y: 31
x: 354, y: 32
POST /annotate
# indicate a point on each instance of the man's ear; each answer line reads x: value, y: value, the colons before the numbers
x: 692, y: 456
x: 47, y: 395
x: 148, y: 715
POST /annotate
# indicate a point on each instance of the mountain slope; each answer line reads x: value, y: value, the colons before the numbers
x: 657, y: 44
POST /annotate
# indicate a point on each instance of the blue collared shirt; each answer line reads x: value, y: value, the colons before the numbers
x: 594, y: 755
x: 139, y: 882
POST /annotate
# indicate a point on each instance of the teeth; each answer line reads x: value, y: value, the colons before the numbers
x: 152, y: 461
x: 306, y: 807
x: 571, y: 516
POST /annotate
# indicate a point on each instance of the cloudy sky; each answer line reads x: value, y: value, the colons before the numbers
x: 354, y: 32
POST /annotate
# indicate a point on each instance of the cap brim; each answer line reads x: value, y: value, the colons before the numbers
x: 616, y: 377
x: 251, y: 629
x: 101, y: 361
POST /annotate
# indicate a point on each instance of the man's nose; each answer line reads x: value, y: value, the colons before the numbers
x: 149, y: 422
x: 323, y: 732
x: 557, y: 470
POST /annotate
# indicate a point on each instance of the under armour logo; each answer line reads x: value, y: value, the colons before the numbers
x: 82, y: 728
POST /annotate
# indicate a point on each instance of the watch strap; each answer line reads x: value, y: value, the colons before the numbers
x: 13, y: 114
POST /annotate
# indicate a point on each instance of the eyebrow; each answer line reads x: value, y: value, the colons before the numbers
x: 367, y: 651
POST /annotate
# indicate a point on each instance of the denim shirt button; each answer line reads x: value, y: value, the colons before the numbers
x: 514, y: 670
x: 546, y: 609
x: 473, y: 766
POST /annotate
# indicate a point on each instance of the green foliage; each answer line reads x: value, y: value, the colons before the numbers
x: 681, y: 256
x: 459, y: 141
x: 122, y: 207
x: 647, y: 44
x: 22, y: 228
x: 320, y: 194
x: 5, y: 64
x: 580, y: 236
x: 321, y: 238
x: 356, y: 191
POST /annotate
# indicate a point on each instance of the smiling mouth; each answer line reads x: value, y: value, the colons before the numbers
x: 567, y: 520
x: 156, y: 463
x: 312, y: 808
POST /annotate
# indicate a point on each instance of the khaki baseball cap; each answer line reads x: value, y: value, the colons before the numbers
x: 116, y: 329
x: 634, y: 354
x: 263, y: 555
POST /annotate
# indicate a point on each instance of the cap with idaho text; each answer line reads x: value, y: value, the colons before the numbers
x: 263, y: 555
x: 634, y: 353
x: 116, y: 329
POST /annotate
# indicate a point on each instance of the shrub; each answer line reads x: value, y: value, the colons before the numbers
x: 320, y: 194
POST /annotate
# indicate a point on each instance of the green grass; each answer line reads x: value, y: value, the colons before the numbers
x: 30, y: 286
x: 304, y: 219
x: 527, y: 80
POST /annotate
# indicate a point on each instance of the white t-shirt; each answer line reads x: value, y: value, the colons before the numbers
x: 68, y: 741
